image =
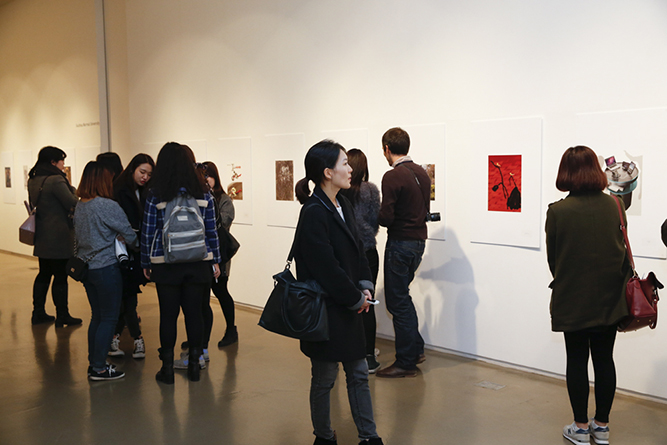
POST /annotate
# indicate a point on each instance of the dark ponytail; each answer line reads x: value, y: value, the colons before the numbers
x: 302, y: 190
x: 322, y: 155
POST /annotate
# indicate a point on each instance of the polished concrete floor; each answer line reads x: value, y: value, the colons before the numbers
x: 256, y: 392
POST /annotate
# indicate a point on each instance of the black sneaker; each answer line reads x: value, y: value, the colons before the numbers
x: 108, y: 374
x: 90, y: 368
x: 373, y: 364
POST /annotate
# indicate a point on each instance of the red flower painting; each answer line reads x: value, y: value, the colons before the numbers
x: 505, y: 183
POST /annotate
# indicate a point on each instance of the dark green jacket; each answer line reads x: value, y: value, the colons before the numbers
x: 587, y: 258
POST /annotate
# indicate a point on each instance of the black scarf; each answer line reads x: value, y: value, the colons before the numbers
x: 46, y: 170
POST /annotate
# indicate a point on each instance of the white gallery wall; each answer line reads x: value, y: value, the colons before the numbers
x: 205, y: 69
x: 48, y: 95
x: 254, y: 82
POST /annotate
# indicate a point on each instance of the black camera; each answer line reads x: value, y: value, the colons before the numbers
x: 431, y: 217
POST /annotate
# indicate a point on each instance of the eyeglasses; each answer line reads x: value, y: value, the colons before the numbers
x: 201, y: 166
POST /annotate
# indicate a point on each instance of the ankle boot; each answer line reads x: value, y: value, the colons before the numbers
x: 193, y: 364
x: 39, y: 315
x: 231, y: 336
x: 63, y: 317
x: 166, y: 373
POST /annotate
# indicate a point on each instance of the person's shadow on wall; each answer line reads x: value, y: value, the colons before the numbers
x: 450, y: 298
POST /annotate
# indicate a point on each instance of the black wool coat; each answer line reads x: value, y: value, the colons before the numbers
x: 329, y: 251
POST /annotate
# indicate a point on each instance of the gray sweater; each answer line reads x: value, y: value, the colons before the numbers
x: 96, y: 225
x: 366, y: 213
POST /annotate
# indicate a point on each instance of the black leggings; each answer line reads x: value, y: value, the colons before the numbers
x: 226, y: 303
x: 600, y: 343
x: 56, y: 268
x: 172, y: 298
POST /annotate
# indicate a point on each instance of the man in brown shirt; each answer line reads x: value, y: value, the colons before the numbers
x: 406, y: 190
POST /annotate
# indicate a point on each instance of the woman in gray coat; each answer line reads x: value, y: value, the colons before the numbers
x: 55, y: 199
x: 590, y: 268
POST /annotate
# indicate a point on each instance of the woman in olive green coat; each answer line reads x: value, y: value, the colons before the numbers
x: 590, y: 268
x: 54, y: 198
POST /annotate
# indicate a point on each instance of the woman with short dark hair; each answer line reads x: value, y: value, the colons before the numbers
x: 590, y: 268
x: 98, y: 221
x: 327, y: 249
x: 53, y: 196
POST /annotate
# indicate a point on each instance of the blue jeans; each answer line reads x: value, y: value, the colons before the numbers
x: 104, y: 288
x: 401, y: 260
x: 323, y: 378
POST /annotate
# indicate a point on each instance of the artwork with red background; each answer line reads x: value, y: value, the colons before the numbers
x: 504, y: 183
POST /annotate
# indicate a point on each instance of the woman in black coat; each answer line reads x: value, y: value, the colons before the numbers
x: 129, y: 190
x: 327, y: 249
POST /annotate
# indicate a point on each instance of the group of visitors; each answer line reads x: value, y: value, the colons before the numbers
x: 335, y: 247
x: 115, y: 208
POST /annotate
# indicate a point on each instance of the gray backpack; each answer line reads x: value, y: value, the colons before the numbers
x: 183, y: 230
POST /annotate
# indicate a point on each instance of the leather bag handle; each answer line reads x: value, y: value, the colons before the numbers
x: 625, y: 236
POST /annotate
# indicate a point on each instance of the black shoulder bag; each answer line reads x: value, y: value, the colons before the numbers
x: 296, y: 309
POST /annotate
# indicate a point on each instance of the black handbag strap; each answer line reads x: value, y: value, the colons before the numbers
x: 39, y: 194
x: 290, y: 257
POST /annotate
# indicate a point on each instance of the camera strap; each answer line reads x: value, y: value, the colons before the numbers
x: 426, y: 206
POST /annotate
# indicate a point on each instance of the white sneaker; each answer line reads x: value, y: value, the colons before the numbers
x: 576, y: 435
x: 600, y: 434
x: 139, y: 348
x: 115, y: 350
x: 182, y: 363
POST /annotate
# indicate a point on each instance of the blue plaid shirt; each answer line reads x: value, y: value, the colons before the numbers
x: 152, y: 229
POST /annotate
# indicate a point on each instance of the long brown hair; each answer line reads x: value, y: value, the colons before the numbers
x: 357, y: 160
x: 212, y: 172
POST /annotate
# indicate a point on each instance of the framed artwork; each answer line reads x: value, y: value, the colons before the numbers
x: 23, y: 163
x: 427, y: 148
x: 287, y: 152
x: 233, y: 157
x: 506, y: 180
x: 636, y: 136
x: 26, y: 176
x: 9, y: 196
x: 504, y: 185
x: 284, y: 180
x: 430, y: 171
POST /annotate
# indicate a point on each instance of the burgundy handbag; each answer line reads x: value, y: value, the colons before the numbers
x: 641, y: 294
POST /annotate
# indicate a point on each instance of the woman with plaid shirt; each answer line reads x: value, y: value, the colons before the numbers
x: 181, y: 285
